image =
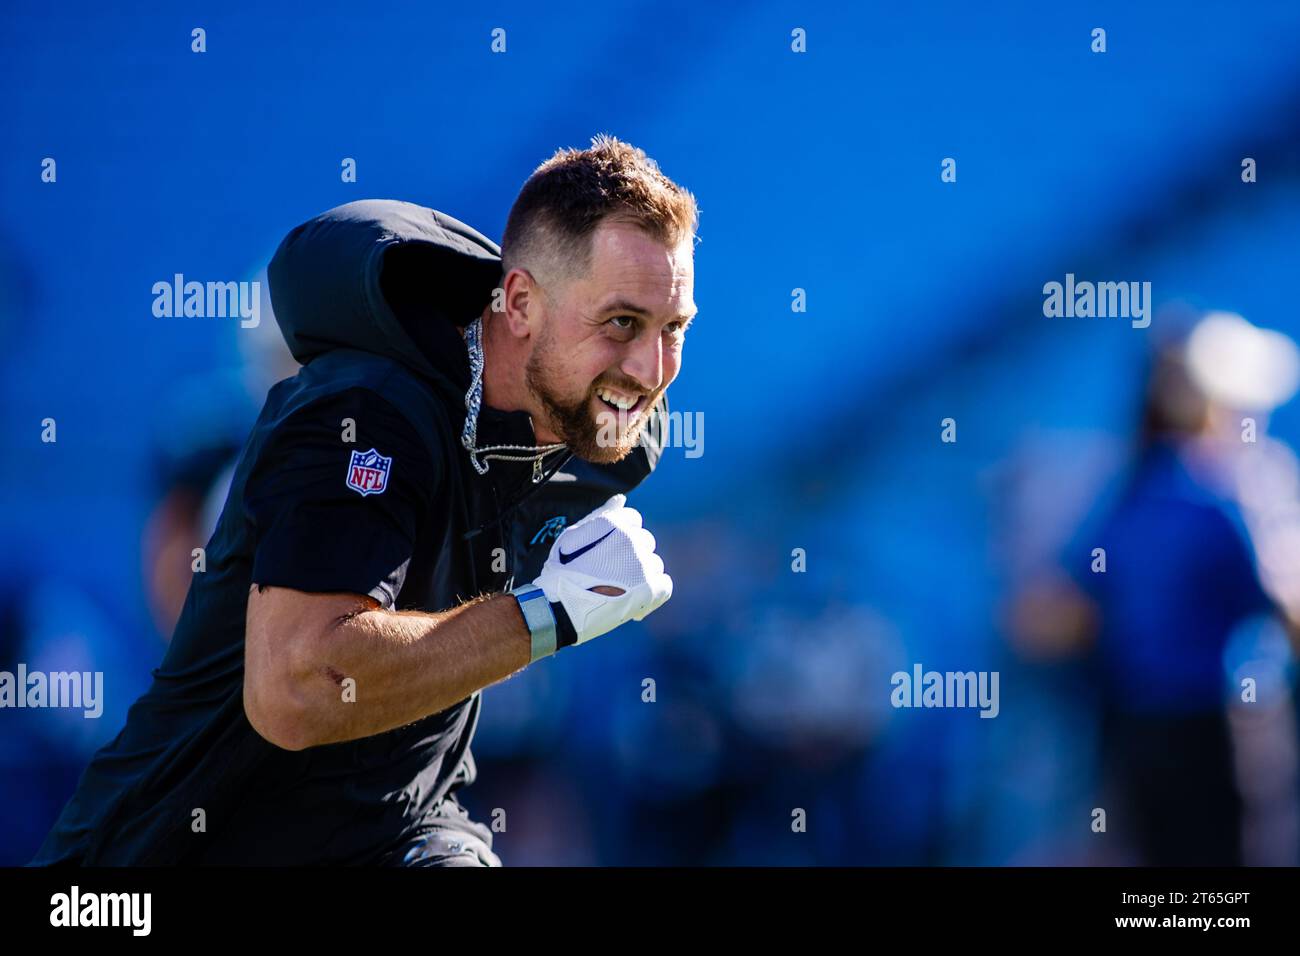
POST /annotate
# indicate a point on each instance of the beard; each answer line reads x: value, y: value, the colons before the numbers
x: 601, y: 438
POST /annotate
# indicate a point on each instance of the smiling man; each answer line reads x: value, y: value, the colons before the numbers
x: 318, y: 699
x: 601, y: 302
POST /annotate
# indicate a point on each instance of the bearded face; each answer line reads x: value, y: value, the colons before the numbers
x: 601, y: 423
x: 608, y: 344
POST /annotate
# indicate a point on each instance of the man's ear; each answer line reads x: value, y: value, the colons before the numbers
x: 523, y: 301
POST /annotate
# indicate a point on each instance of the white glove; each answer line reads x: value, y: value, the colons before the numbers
x: 610, y: 548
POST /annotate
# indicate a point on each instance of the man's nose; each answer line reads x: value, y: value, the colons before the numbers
x: 644, y: 361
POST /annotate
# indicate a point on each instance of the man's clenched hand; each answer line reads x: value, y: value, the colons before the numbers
x: 608, y: 549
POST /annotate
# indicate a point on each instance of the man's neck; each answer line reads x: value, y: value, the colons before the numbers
x: 498, y: 389
x: 504, y: 358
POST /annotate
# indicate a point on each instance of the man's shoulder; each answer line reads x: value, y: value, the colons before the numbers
x: 371, y: 384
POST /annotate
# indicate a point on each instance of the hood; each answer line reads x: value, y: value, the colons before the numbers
x: 386, y: 277
x: 400, y: 280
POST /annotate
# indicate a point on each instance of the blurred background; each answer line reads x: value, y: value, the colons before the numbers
x: 821, y: 171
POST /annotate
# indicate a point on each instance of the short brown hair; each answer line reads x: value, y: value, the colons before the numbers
x: 567, y: 197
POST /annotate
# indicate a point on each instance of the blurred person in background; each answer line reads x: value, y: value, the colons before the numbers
x: 201, y: 427
x: 50, y: 622
x: 200, y: 431
x: 1183, y: 587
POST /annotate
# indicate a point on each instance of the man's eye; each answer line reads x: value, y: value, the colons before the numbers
x: 631, y: 322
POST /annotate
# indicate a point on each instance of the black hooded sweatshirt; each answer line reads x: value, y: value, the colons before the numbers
x: 370, y: 298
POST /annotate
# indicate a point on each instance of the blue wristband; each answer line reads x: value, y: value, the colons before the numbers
x: 539, y: 617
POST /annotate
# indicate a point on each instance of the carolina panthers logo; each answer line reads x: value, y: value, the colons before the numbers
x: 551, y: 529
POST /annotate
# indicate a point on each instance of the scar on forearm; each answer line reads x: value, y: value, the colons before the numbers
x: 336, y: 676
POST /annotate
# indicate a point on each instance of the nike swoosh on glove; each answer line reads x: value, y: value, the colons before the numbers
x: 608, y: 547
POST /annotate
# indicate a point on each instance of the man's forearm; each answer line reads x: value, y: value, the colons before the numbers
x: 323, y: 668
x: 407, y: 665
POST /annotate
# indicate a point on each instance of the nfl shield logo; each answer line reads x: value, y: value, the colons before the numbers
x: 368, y: 472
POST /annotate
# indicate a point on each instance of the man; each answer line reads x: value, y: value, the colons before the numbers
x: 317, y: 701
x: 1174, y: 614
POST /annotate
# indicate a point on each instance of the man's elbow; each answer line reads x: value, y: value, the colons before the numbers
x: 279, y: 716
x: 287, y: 690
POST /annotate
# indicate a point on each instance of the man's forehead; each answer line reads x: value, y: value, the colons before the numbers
x: 634, y: 270
x: 620, y: 247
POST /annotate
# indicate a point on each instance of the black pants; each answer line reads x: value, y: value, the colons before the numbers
x: 1174, y: 777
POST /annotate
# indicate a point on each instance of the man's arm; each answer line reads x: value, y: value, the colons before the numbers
x: 300, y: 649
